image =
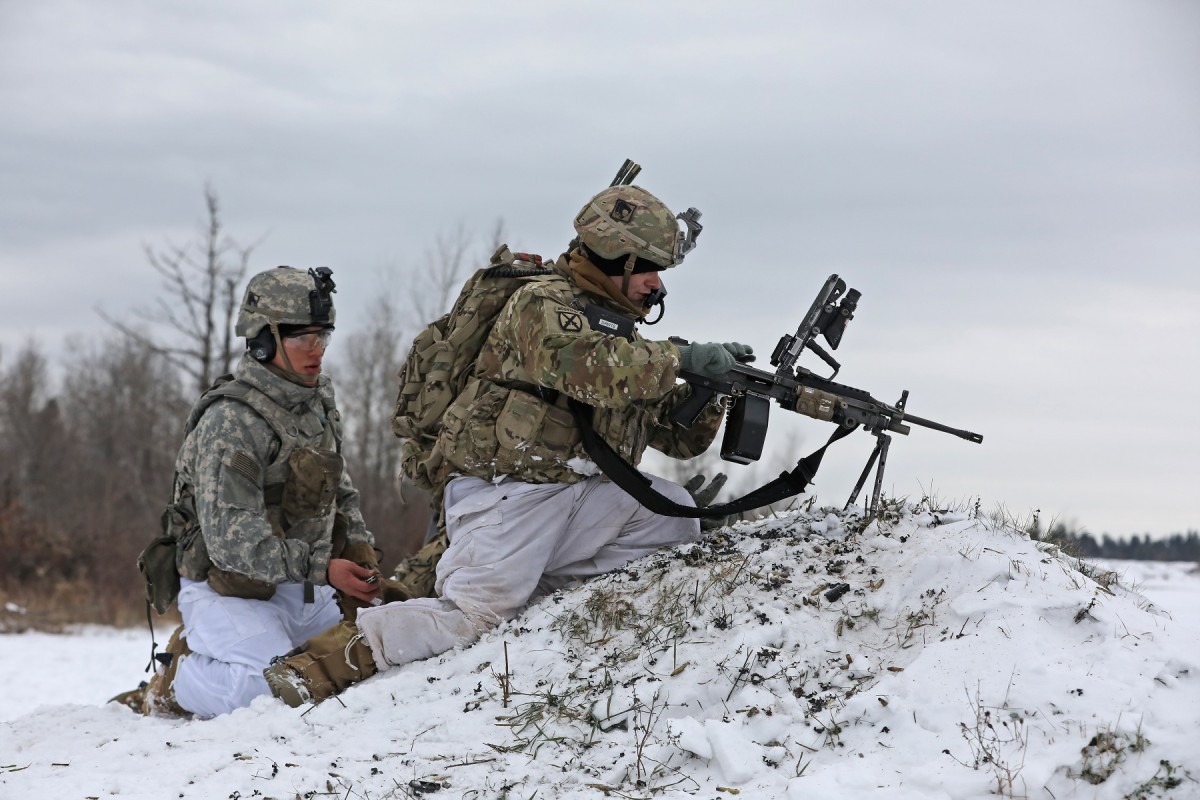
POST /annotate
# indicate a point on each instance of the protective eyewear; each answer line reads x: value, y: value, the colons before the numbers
x: 310, y: 340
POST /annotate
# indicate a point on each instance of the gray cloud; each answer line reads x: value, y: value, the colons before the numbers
x: 1014, y: 187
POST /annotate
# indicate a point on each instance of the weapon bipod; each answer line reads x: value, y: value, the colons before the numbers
x: 882, y: 443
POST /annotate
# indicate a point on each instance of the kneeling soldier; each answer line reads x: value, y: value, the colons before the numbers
x: 526, y: 510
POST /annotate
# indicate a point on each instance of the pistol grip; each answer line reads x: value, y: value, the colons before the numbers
x: 686, y: 412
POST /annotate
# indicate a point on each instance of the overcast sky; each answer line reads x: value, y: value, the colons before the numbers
x: 1014, y: 187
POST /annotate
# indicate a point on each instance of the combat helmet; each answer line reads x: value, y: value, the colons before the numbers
x: 626, y: 220
x: 286, y: 298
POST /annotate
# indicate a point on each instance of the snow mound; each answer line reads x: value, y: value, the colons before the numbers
x: 929, y: 654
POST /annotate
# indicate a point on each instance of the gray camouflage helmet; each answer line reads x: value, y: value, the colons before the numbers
x: 286, y: 296
x: 624, y: 220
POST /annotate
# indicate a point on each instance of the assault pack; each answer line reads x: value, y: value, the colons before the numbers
x: 442, y: 359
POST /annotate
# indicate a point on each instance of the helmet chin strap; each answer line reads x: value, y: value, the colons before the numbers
x: 290, y: 369
x: 629, y: 262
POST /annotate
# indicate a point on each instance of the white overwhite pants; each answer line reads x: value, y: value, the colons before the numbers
x: 233, y: 640
x: 511, y: 541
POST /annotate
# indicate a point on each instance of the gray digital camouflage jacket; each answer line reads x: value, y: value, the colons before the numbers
x: 237, y: 471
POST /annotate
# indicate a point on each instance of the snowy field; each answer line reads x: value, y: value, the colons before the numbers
x: 932, y: 657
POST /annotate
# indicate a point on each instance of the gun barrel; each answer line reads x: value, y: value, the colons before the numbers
x: 937, y: 426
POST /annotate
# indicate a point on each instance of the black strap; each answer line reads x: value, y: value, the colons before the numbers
x: 620, y: 472
x: 153, y: 641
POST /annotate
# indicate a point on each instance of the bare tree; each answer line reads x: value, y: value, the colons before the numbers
x: 448, y: 261
x: 199, y: 302
x: 372, y: 360
x: 125, y: 405
x: 31, y: 428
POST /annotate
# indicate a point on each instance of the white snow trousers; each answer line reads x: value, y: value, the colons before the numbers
x: 510, y: 542
x: 233, y: 640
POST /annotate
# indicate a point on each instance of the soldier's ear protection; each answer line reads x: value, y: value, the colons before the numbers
x: 262, y: 345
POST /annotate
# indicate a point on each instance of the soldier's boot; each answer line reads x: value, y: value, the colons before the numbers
x: 134, y: 699
x: 323, y: 666
x: 396, y: 591
x: 350, y: 606
x: 159, y: 698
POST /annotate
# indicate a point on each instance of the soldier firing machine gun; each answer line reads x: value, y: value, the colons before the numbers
x: 748, y: 392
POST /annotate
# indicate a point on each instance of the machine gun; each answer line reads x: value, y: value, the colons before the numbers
x: 749, y: 392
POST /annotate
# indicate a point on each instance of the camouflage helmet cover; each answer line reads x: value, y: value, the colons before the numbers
x: 627, y: 219
x: 286, y: 296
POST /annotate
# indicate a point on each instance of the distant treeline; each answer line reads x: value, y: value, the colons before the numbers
x: 88, y: 444
x: 1176, y: 547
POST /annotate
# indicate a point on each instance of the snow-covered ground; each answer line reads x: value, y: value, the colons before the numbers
x: 933, y: 656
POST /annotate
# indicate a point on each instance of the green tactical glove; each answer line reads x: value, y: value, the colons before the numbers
x: 704, y: 497
x: 713, y: 360
x: 742, y: 353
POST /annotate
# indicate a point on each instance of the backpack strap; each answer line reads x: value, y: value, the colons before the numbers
x: 638, y: 486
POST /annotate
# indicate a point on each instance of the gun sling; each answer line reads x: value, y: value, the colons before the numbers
x: 620, y: 472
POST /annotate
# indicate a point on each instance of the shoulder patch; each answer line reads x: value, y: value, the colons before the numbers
x: 569, y: 320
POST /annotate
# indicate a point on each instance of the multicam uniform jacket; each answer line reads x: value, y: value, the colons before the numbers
x: 265, y: 496
x: 505, y: 423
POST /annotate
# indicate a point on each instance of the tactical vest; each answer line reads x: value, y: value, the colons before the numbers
x: 460, y: 410
x: 299, y: 487
x: 502, y: 423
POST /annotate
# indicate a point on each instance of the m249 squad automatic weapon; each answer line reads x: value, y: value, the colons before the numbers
x: 749, y: 392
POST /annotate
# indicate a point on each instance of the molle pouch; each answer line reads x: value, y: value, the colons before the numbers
x: 435, y: 393
x: 422, y: 465
x: 424, y: 382
x: 157, y: 565
x: 311, y: 487
x: 459, y: 412
x: 235, y: 584
x: 468, y: 436
x: 520, y: 420
x: 559, y: 431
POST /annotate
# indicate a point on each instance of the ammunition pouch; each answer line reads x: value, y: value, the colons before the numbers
x: 529, y: 419
x: 311, y: 486
x: 157, y: 565
x: 503, y: 430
